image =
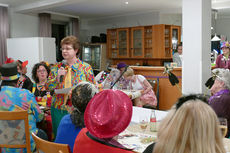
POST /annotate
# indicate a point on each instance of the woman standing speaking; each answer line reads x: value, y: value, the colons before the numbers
x: 67, y: 74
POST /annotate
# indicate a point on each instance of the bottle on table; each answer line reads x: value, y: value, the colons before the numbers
x: 153, y: 122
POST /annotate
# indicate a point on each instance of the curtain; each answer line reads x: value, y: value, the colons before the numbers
x: 4, y: 33
x: 45, y: 25
x: 75, y: 27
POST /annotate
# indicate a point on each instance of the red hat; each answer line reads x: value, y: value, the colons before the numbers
x: 23, y: 63
x: 9, y: 60
x: 108, y: 113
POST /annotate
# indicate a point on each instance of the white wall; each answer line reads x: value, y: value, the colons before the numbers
x: 174, y: 19
x: 33, y: 49
x: 223, y: 27
x: 22, y: 25
x: 97, y: 26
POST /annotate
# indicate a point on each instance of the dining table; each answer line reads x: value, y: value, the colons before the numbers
x: 133, y: 137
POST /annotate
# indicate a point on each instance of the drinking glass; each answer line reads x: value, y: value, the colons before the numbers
x: 223, y: 125
x: 143, y: 121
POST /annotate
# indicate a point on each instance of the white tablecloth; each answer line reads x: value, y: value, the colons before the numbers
x: 137, y: 111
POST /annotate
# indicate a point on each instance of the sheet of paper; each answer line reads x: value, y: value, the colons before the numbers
x: 62, y: 91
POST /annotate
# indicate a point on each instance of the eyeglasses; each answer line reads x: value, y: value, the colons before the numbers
x: 39, y: 71
x: 61, y: 49
x: 184, y: 99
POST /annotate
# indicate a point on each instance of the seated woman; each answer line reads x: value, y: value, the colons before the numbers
x: 190, y: 127
x: 139, y: 82
x: 107, y: 114
x: 221, y: 95
x: 24, y: 81
x: 71, y: 124
x: 40, y: 73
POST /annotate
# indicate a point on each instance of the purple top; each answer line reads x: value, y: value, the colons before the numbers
x: 221, y: 62
x: 220, y: 102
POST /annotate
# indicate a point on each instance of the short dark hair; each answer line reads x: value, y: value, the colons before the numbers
x: 35, y: 68
x: 180, y: 45
x: 81, y: 95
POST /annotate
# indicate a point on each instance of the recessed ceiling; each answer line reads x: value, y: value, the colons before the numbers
x: 104, y: 8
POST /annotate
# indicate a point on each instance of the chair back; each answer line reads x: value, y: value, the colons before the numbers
x: 14, y: 130
x: 49, y: 147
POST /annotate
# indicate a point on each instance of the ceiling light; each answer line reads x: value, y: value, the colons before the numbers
x: 215, y: 38
x: 127, y: 2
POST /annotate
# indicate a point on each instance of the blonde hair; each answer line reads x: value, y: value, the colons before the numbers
x: 193, y: 128
x: 129, y: 72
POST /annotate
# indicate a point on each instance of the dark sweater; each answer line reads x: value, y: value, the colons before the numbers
x: 221, y: 105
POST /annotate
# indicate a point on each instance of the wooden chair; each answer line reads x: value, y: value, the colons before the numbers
x: 49, y: 147
x: 14, y: 130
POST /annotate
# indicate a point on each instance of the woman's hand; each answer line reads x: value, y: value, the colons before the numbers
x: 61, y: 72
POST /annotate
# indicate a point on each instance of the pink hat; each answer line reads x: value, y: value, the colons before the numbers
x: 108, y: 113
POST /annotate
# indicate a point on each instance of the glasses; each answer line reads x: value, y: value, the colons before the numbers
x: 61, y: 49
x: 184, y: 99
x: 40, y: 71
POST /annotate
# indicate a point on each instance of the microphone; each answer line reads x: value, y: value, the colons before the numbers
x: 63, y: 64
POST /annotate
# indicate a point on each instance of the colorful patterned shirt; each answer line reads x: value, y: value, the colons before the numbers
x: 81, y: 71
x: 11, y: 96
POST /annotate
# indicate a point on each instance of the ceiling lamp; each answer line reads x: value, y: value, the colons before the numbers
x: 215, y: 38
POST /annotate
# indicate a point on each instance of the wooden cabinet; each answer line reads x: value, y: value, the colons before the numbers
x: 165, y: 39
x: 143, y: 43
x: 118, y: 43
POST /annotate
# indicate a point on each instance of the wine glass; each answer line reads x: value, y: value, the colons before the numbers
x: 223, y: 125
x: 143, y: 121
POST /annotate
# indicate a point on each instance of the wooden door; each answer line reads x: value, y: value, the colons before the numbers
x: 175, y: 36
x: 137, y: 42
x: 112, y: 43
x: 148, y: 42
x: 123, y: 42
x: 158, y: 41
